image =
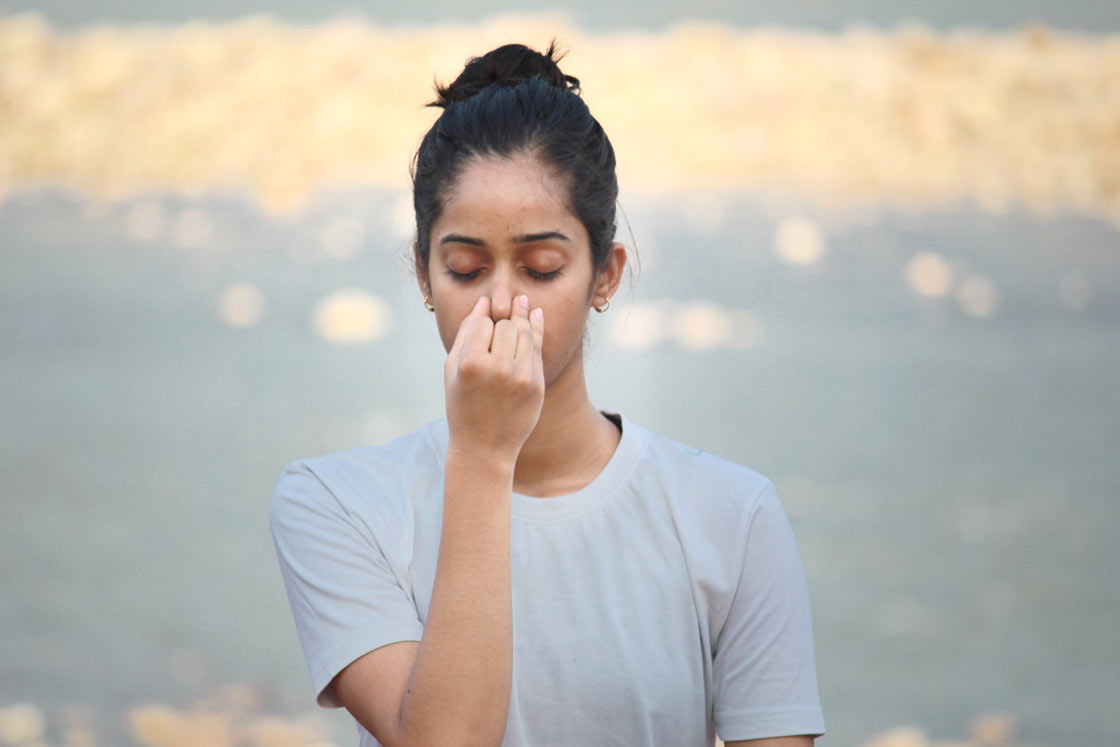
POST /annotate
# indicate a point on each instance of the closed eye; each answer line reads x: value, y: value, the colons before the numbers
x: 466, y: 277
x: 463, y: 277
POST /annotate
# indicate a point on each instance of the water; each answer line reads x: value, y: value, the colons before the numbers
x: 952, y: 478
x: 948, y: 460
x: 1083, y: 15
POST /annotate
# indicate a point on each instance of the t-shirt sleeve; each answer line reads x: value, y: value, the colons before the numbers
x: 345, y: 599
x: 764, y: 674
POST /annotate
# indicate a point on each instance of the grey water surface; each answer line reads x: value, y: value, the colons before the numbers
x: 952, y: 479
x: 1093, y: 16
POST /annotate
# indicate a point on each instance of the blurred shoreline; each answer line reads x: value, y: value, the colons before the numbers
x: 910, y: 117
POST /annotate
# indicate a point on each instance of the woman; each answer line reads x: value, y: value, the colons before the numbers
x: 531, y: 571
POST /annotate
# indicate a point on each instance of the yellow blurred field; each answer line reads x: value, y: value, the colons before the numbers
x: 907, y: 116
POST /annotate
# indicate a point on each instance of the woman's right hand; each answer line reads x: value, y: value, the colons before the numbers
x: 494, y: 380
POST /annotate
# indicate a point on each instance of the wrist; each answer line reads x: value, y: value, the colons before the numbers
x: 481, y: 460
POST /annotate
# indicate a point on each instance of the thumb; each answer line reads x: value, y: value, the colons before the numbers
x: 481, y: 309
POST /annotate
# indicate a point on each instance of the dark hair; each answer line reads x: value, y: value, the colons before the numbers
x: 510, y: 100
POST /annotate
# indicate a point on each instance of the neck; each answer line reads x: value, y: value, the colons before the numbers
x: 571, y: 442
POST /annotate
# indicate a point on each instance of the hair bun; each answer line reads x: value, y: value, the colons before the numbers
x: 507, y: 65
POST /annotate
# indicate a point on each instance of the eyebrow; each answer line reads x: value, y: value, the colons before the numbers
x: 528, y: 238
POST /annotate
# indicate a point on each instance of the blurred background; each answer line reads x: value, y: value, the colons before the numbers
x: 880, y: 263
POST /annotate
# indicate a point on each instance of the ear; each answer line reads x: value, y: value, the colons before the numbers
x: 422, y: 278
x: 610, y: 275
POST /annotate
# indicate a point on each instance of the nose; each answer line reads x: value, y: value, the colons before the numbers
x: 502, y: 292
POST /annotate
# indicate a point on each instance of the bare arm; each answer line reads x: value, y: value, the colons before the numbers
x: 773, y: 742
x: 453, y: 687
x: 455, y: 683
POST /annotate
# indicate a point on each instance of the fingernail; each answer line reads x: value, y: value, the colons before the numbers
x: 523, y: 301
x: 538, y: 314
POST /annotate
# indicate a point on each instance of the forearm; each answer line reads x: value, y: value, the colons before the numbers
x: 459, y: 689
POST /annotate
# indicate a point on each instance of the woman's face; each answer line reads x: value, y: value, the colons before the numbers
x: 505, y: 230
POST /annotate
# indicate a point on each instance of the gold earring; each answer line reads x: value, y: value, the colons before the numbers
x: 602, y: 309
x: 428, y: 304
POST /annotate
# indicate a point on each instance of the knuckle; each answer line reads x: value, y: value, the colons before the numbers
x: 525, y: 382
x: 471, y: 366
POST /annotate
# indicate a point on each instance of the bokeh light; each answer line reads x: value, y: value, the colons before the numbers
x: 978, y: 297
x: 697, y: 325
x: 21, y: 723
x: 929, y: 274
x: 193, y: 229
x: 638, y: 327
x: 700, y: 325
x: 799, y: 241
x: 241, y: 305
x: 352, y: 316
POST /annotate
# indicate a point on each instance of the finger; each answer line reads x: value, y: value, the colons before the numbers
x: 519, y: 316
x: 536, y: 319
x: 536, y: 323
x: 504, y: 346
x: 479, y: 335
x: 519, y: 309
x: 481, y: 310
x: 460, y: 335
x: 526, y: 347
x: 529, y: 344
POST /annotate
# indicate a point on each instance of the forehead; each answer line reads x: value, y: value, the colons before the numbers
x: 510, y: 190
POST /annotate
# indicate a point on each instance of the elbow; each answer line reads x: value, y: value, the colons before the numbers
x: 472, y: 732
x: 447, y: 738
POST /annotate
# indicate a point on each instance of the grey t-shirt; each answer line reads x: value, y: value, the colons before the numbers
x: 662, y: 604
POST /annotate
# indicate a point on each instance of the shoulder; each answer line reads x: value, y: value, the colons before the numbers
x: 700, y: 477
x: 727, y: 518
x: 362, y: 479
x: 396, y: 460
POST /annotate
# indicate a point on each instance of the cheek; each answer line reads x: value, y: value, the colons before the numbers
x: 562, y: 340
x: 452, y: 307
x: 448, y: 319
x: 447, y: 330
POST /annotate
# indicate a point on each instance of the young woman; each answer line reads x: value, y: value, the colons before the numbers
x: 530, y: 570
